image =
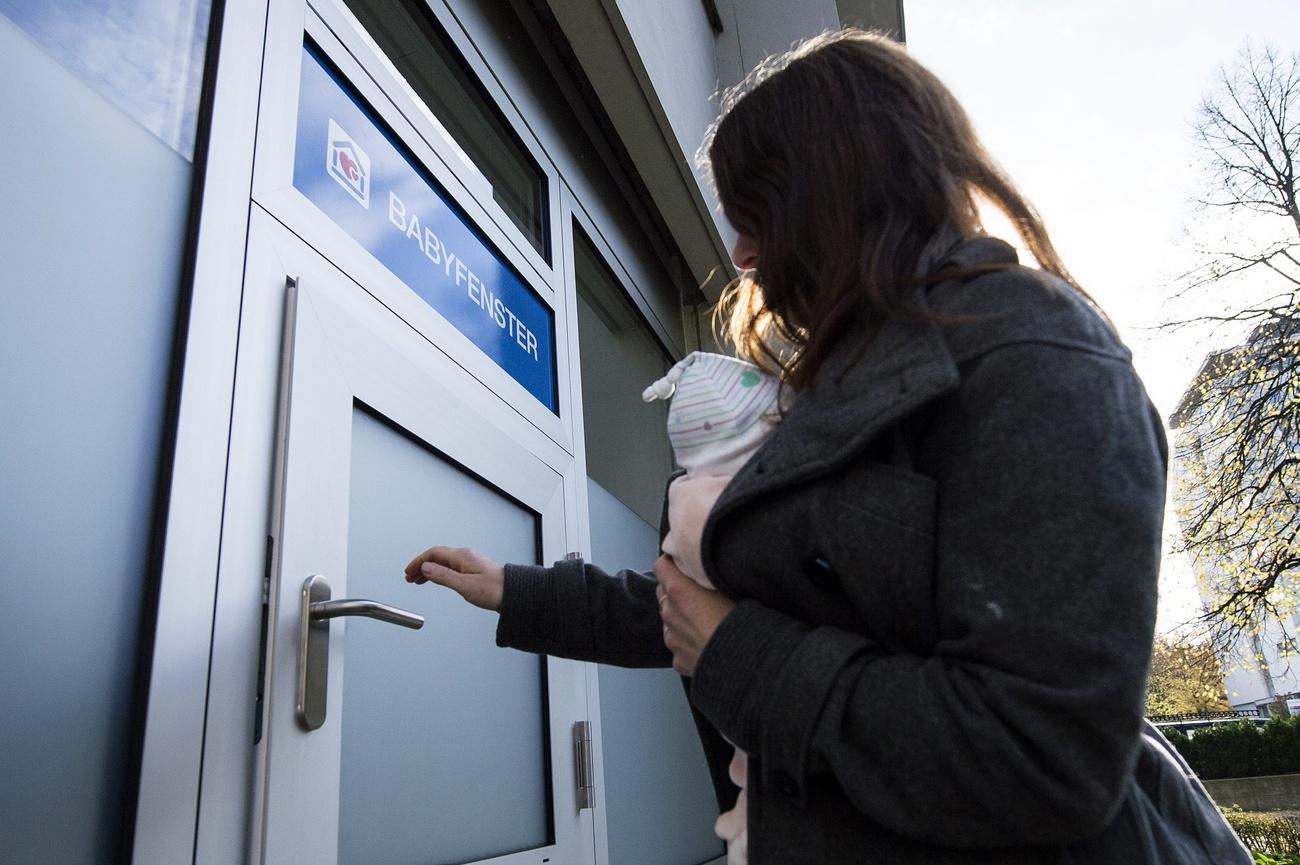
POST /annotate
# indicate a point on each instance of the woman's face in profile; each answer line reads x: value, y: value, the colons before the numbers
x: 745, y: 253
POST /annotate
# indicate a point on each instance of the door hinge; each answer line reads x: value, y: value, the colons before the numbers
x: 583, y: 763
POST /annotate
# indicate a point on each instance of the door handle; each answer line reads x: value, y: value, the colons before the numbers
x: 321, y: 610
x: 314, y: 642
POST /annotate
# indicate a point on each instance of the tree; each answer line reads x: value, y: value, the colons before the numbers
x: 1239, y: 422
x: 1185, y: 678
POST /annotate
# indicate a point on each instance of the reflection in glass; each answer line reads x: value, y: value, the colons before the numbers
x: 146, y: 56
x: 627, y: 439
x: 416, y: 46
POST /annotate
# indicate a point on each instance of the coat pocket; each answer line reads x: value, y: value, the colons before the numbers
x: 882, y: 548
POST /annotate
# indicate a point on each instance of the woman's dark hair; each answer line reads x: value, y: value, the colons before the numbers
x: 841, y: 158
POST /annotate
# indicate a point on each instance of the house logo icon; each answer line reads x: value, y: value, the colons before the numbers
x: 347, y: 163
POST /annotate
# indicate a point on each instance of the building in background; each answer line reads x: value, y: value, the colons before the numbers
x: 1261, y: 669
x: 294, y: 289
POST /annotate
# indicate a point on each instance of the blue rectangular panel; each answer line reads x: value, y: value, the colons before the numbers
x: 352, y: 168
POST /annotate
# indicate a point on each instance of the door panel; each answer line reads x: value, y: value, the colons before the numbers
x: 436, y: 746
x: 486, y: 703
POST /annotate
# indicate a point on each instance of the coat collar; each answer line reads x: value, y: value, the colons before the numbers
x: 860, y: 392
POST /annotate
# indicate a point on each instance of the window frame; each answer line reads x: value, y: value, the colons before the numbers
x: 337, y: 37
x: 466, y: 53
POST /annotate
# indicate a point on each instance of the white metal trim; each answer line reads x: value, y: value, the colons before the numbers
x: 348, y: 30
x: 273, y: 189
x: 168, y: 803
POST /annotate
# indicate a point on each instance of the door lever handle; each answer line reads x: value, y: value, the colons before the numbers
x: 315, y: 613
x: 321, y: 610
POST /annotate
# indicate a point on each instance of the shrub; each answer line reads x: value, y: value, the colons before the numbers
x: 1281, y: 745
x: 1241, y: 750
x: 1276, y: 835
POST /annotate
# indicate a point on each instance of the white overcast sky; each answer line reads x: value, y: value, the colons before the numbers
x: 1089, y: 105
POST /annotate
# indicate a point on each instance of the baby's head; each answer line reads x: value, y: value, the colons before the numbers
x: 721, y: 410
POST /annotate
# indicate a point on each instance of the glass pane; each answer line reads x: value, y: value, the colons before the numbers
x: 658, y: 796
x: 413, y: 42
x: 627, y: 439
x: 146, y: 56
x: 444, y: 735
x: 92, y: 236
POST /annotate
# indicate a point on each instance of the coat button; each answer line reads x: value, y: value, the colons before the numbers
x: 784, y: 784
x: 820, y: 573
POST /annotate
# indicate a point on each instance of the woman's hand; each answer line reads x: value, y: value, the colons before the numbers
x: 474, y: 577
x: 691, y: 614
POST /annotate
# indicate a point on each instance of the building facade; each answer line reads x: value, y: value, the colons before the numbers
x: 1230, y: 476
x: 295, y: 289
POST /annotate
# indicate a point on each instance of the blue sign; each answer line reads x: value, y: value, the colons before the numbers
x: 356, y: 172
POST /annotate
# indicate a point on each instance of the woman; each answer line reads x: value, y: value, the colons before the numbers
x: 937, y: 578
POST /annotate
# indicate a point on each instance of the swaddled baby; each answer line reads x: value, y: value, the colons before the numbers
x: 721, y: 411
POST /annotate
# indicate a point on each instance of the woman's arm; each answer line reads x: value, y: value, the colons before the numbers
x: 571, y: 610
x: 1022, y: 726
x: 576, y: 610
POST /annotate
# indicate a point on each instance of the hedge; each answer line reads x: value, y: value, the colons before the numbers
x: 1241, y: 749
x: 1275, y: 835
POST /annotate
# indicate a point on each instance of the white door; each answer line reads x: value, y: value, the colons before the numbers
x: 403, y: 746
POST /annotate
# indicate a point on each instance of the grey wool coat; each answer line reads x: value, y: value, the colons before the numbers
x: 945, y: 558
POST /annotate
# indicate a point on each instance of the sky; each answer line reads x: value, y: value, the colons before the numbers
x: 1089, y: 105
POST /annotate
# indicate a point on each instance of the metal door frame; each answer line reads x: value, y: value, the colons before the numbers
x: 197, y: 771
x: 345, y: 349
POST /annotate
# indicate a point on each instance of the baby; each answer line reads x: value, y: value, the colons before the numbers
x: 721, y: 411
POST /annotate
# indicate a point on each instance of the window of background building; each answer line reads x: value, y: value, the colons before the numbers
x: 421, y: 52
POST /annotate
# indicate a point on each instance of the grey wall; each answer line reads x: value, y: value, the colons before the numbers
x: 91, y: 234
x: 659, y: 800
x: 886, y: 15
x: 688, y: 63
x: 753, y: 29
x: 677, y: 47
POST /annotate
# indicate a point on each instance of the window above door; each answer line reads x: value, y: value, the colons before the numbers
x: 407, y: 33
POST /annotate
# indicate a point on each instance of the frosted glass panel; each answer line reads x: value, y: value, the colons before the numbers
x: 92, y: 232
x: 658, y: 797
x: 146, y: 56
x: 444, y: 734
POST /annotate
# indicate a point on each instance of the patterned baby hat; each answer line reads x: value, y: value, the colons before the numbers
x: 722, y: 408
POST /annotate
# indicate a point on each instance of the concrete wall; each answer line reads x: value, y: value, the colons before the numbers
x: 1265, y: 793
x: 753, y: 29
x: 677, y: 46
